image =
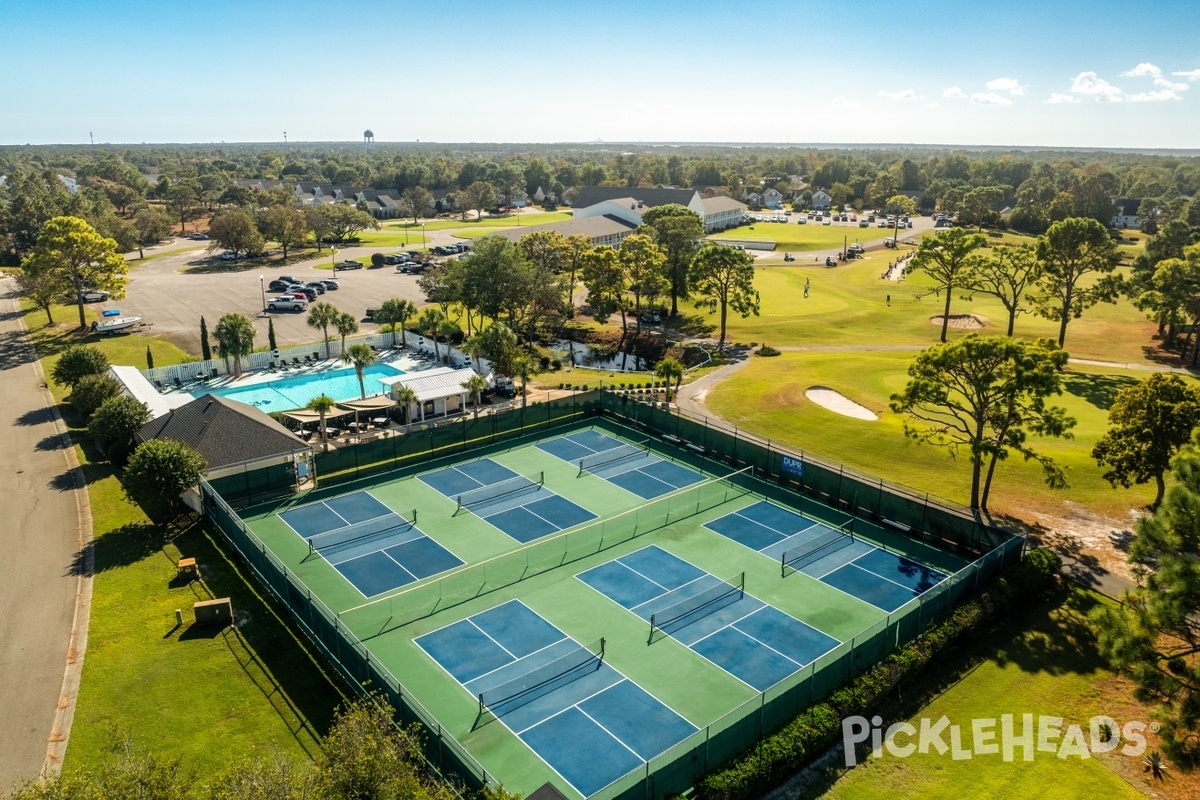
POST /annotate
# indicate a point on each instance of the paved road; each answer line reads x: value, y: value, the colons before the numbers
x: 41, y: 535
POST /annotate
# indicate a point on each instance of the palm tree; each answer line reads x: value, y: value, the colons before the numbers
x: 361, y: 356
x: 346, y: 324
x: 428, y: 323
x: 322, y: 315
x: 474, y: 348
x: 322, y: 404
x: 395, y: 311
x: 235, y: 334
x: 405, y: 397
x: 523, y: 366
x: 670, y: 371
x: 475, y: 385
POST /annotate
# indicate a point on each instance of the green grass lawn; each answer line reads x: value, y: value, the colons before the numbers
x: 506, y: 221
x: 767, y: 398
x: 847, y: 305
x: 793, y: 237
x: 1042, y: 663
x: 53, y: 339
x: 206, y: 697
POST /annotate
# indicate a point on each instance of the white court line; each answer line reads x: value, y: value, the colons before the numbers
x: 882, y: 577
x: 619, y: 678
x: 676, y: 589
x: 616, y: 738
x: 665, y: 590
x: 485, y: 633
x: 528, y: 655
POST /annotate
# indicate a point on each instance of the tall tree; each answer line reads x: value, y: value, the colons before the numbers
x: 322, y: 404
x: 235, y: 334
x: 360, y: 356
x: 417, y: 201
x: 430, y: 323
x: 181, y: 198
x: 159, y: 471
x: 1006, y: 275
x: 322, y: 315
x: 1152, y: 636
x: 272, y: 345
x: 479, y: 196
x: 984, y: 395
x: 395, y: 312
x: 235, y: 230
x: 405, y: 397
x: 1078, y: 258
x: 604, y: 278
x: 577, y: 245
x: 70, y: 249
x: 151, y: 225
x: 946, y: 257
x: 670, y: 371
x: 499, y: 346
x: 523, y: 366
x: 286, y: 225
x: 43, y: 286
x: 1148, y: 423
x: 205, y: 347
x: 115, y: 422
x: 678, y: 231
x: 475, y: 386
x: 725, y: 274
x: 644, y: 264
x: 1174, y: 295
x: 346, y: 325
x: 342, y: 221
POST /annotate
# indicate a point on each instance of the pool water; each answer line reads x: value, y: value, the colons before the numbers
x: 286, y: 394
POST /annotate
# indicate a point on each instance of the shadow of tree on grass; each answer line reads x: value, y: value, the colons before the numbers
x: 1099, y: 390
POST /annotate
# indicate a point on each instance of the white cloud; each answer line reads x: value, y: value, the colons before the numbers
x: 989, y: 99
x: 1166, y: 84
x: 842, y: 102
x: 1058, y: 98
x: 954, y: 93
x: 1010, y: 85
x: 1092, y: 85
x: 1191, y: 75
x: 903, y: 94
x: 1143, y: 70
x: 1155, y: 96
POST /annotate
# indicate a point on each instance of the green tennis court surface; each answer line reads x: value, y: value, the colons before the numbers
x: 477, y: 588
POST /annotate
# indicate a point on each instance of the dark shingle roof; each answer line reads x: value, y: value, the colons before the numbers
x: 224, y: 431
x: 547, y: 791
x: 590, y: 195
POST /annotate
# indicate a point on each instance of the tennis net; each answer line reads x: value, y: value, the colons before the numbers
x: 350, y: 534
x: 615, y: 455
x: 541, y: 679
x: 696, y: 605
x: 495, y: 491
x: 818, y: 547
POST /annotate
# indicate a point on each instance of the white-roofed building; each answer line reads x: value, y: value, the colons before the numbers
x: 439, y: 391
x: 138, y: 386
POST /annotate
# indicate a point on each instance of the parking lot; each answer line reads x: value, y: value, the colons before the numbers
x: 172, y: 300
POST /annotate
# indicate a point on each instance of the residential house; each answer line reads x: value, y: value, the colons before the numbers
x: 1127, y: 215
x: 771, y: 198
x: 820, y: 200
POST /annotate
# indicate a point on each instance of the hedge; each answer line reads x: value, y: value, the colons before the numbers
x: 778, y: 756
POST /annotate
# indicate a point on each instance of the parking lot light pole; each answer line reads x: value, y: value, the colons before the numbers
x: 263, y: 289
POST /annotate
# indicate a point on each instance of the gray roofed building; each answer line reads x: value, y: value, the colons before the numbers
x: 591, y: 195
x: 602, y: 230
x: 227, y: 433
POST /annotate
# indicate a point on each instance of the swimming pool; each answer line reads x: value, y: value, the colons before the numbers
x: 286, y: 394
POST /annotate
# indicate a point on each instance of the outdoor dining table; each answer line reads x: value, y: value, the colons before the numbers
x: 379, y: 422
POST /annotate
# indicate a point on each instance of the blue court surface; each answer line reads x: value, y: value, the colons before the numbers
x: 582, y: 717
x: 632, y: 467
x: 858, y: 568
x: 371, y: 546
x: 756, y: 643
x: 523, y: 509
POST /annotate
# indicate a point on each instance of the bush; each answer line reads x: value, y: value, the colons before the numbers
x: 544, y: 362
x: 159, y: 471
x: 555, y: 364
x: 766, y: 351
x: 818, y: 727
x: 114, y: 423
x: 77, y: 362
x: 90, y: 393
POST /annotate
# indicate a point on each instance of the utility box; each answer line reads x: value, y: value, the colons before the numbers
x: 214, y: 612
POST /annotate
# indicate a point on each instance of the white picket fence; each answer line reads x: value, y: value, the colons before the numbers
x: 167, y: 377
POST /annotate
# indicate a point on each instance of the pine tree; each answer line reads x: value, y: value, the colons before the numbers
x: 149, y: 358
x: 271, y: 335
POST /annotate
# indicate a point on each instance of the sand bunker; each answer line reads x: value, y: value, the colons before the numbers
x: 964, y: 321
x: 839, y: 403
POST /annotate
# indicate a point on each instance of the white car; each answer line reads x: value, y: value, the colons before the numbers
x: 286, y: 303
x: 93, y: 295
x: 827, y: 221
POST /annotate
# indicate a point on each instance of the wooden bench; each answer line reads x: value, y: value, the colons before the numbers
x: 187, y: 566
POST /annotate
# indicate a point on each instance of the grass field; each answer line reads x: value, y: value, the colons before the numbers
x: 206, y: 698
x: 767, y: 397
x: 847, y: 306
x: 793, y: 237
x: 506, y: 221
x: 1041, y: 663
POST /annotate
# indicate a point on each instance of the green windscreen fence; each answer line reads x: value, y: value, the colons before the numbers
x: 826, y: 491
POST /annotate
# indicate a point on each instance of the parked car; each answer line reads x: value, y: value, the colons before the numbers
x: 801, y: 220
x: 93, y: 295
x: 862, y: 223
x: 827, y: 221
x: 289, y: 280
x: 830, y: 261
x: 348, y: 264
x: 311, y: 294
x: 199, y: 237
x: 286, y: 303
x: 227, y: 256
x: 330, y: 284
x: 279, y: 285
x: 318, y: 286
x: 855, y: 248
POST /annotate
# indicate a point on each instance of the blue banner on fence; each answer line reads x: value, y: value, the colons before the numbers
x: 793, y: 466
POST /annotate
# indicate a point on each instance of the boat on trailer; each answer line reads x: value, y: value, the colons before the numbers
x: 114, y: 324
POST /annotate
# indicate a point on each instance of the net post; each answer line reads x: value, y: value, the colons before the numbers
x: 414, y: 516
x: 650, y: 638
x: 311, y: 549
x: 481, y: 706
x: 602, y: 644
x: 783, y: 564
x: 458, y: 507
x: 580, y: 473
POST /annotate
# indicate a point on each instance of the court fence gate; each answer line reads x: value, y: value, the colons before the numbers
x: 676, y: 770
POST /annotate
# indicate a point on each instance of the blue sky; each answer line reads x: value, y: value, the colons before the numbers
x: 1069, y: 74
